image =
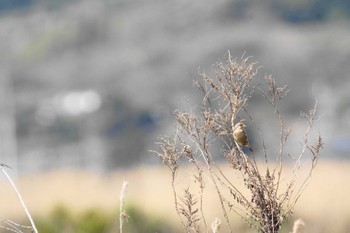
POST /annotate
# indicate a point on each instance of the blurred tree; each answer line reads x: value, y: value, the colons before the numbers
x: 6, y: 5
x: 311, y: 11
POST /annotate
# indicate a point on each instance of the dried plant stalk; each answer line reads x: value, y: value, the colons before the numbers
x: 190, y: 212
x: 222, y: 117
x: 298, y: 226
x: 10, y: 225
x: 123, y: 216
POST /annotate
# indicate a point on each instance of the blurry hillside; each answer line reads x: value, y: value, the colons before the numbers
x: 91, y: 84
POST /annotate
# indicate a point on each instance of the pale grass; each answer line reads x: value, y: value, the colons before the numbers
x: 215, y: 225
x: 14, y: 226
x: 81, y: 190
x: 123, y: 216
x: 298, y: 226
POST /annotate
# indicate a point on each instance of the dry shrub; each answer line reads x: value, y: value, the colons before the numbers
x: 222, y: 111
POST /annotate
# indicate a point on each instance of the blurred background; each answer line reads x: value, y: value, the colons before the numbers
x: 90, y: 84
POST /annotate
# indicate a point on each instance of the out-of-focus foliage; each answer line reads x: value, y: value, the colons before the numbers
x: 311, y: 11
x: 6, y: 5
x: 140, y: 222
x: 61, y: 219
x: 299, y: 11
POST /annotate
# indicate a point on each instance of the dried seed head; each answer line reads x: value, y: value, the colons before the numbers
x: 187, y: 150
x: 237, y: 103
x: 215, y: 225
x: 298, y: 226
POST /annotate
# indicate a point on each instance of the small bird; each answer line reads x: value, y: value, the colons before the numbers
x: 240, y: 135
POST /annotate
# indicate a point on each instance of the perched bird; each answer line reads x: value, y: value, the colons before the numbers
x: 240, y: 135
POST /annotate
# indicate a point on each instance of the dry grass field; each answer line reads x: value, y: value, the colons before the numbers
x: 324, y: 206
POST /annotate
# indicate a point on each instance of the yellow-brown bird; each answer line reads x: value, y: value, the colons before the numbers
x: 240, y: 135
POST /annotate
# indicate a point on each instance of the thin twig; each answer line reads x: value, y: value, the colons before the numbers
x: 20, y: 199
x: 122, y: 214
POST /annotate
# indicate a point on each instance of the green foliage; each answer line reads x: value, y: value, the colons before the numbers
x: 287, y: 226
x: 61, y: 219
x: 93, y: 221
x: 140, y: 222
